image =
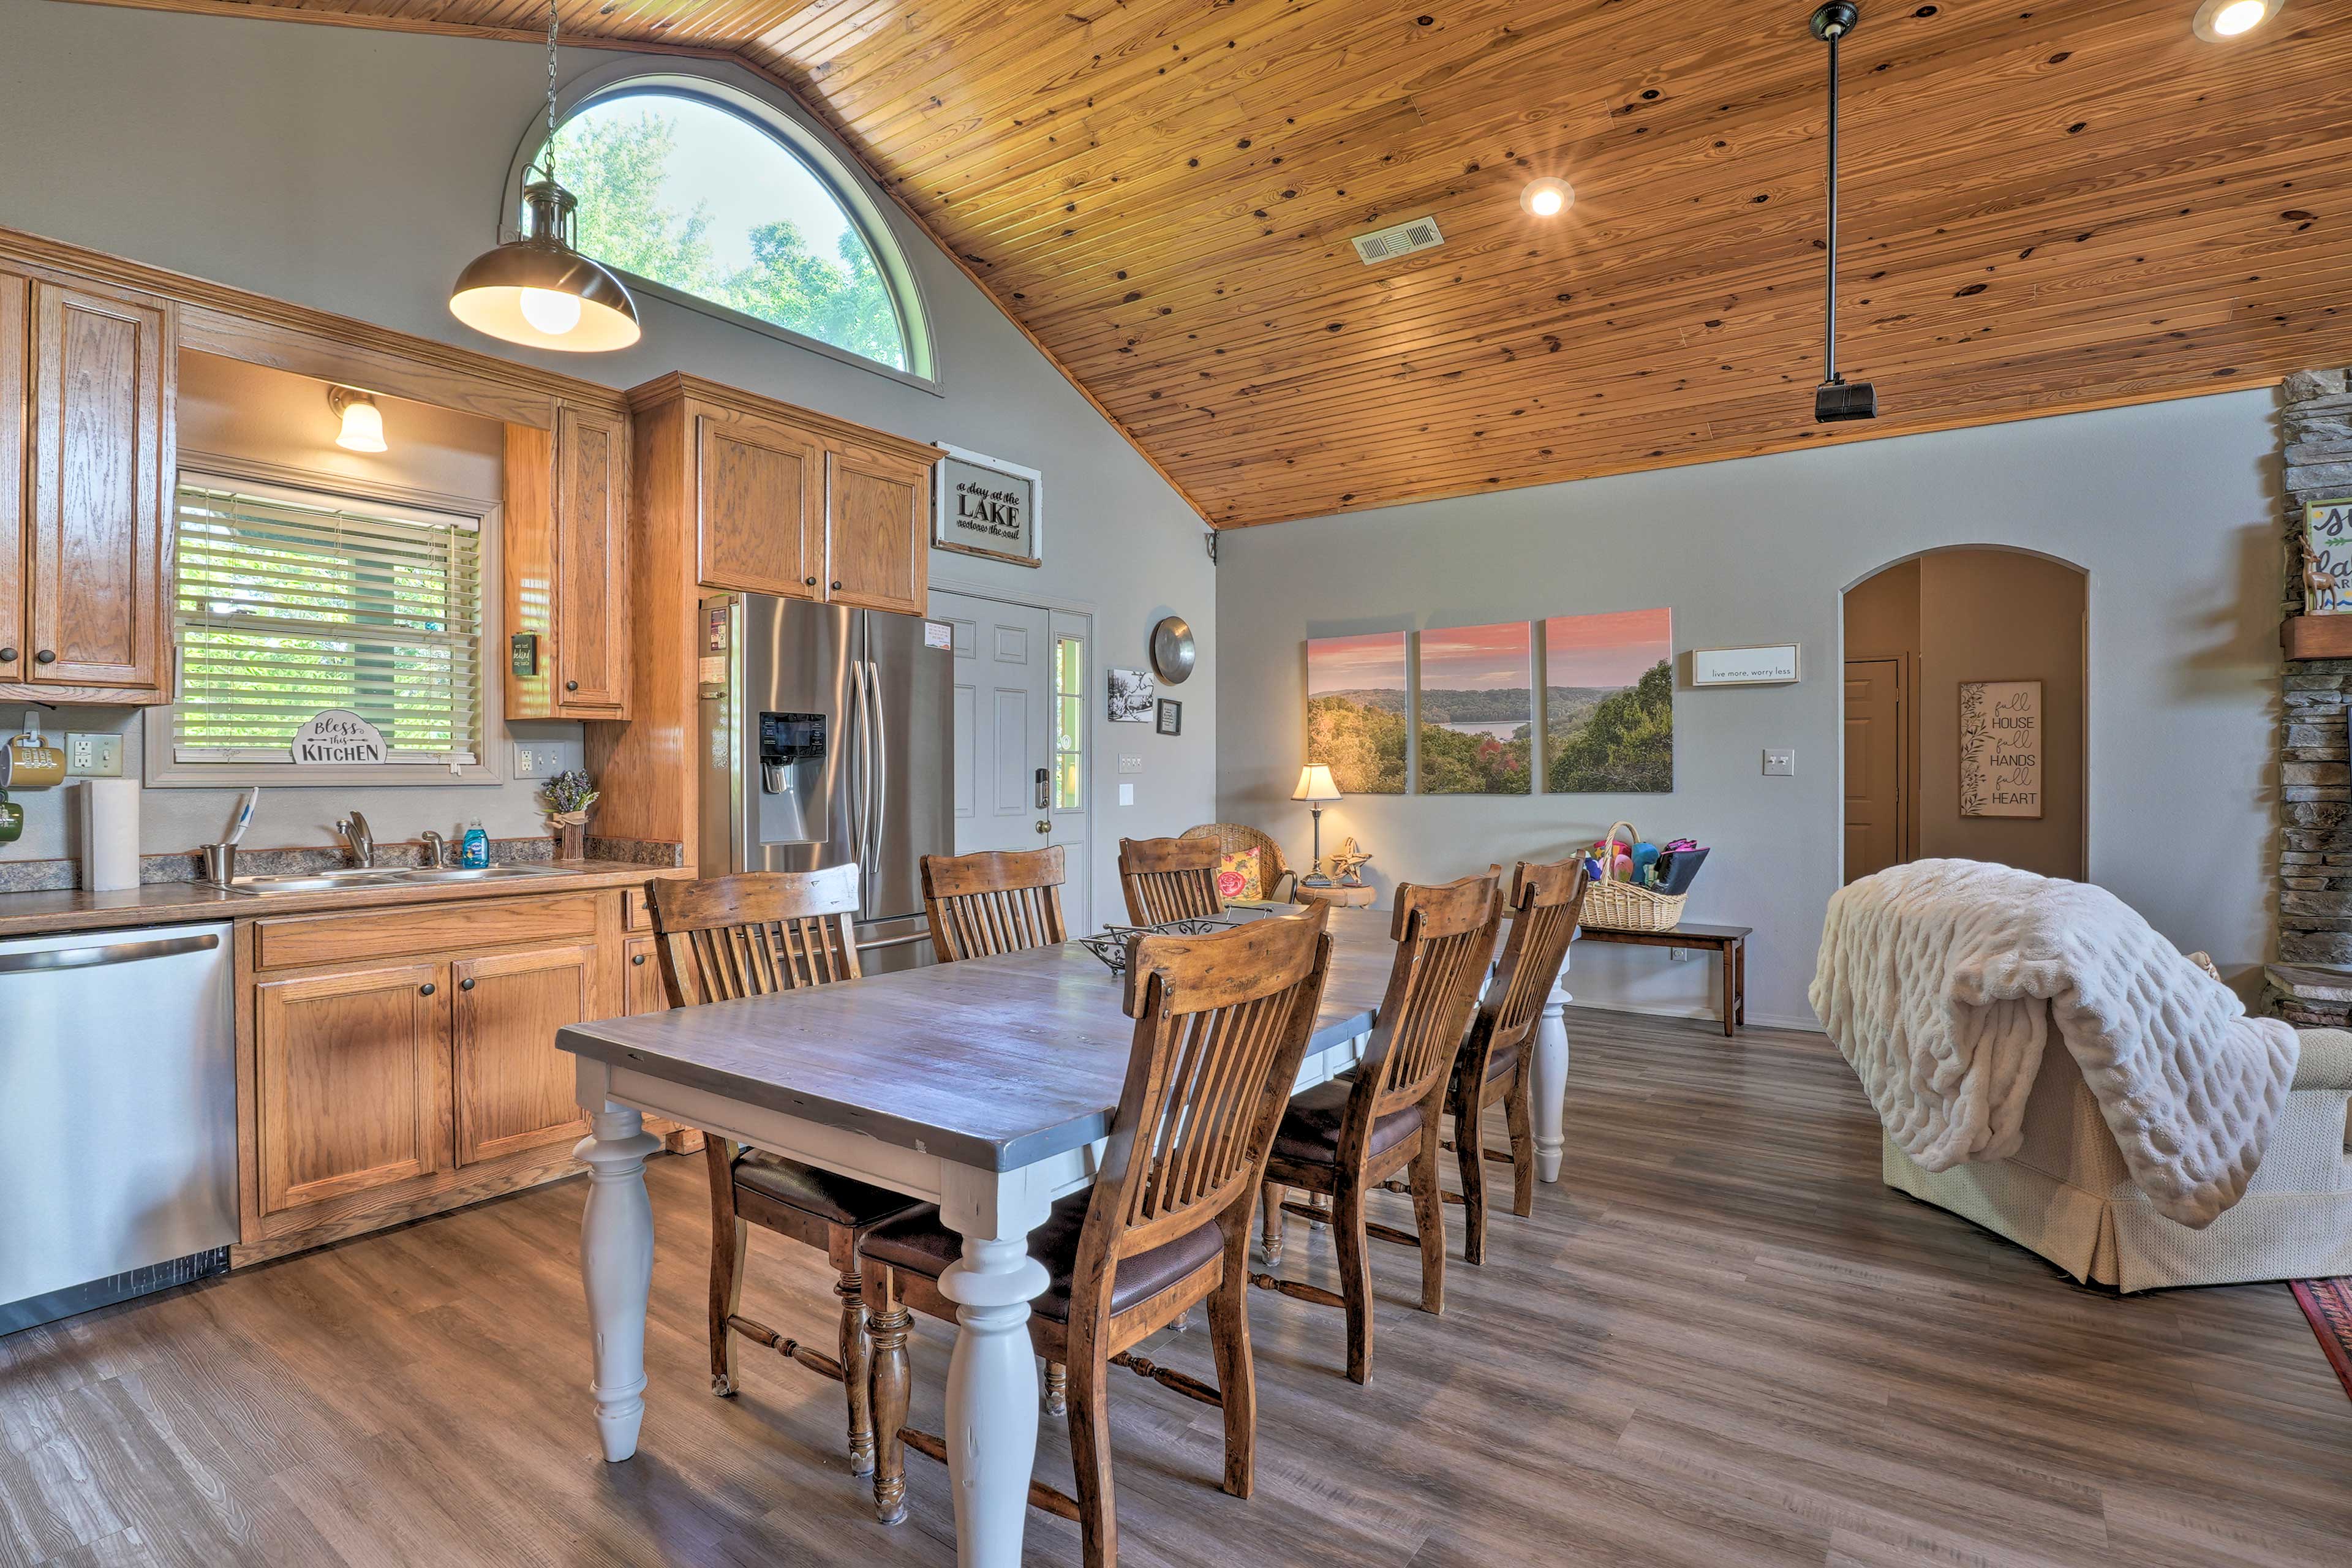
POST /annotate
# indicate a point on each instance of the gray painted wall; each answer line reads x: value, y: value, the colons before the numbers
x: 358, y: 172
x: 2170, y: 507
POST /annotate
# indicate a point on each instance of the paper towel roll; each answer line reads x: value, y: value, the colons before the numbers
x: 109, y: 835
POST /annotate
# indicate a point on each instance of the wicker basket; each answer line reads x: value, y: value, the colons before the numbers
x: 1613, y: 905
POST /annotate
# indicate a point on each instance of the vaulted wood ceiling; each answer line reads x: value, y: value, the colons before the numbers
x: 2048, y: 204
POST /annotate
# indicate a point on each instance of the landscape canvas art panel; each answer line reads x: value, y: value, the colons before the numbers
x: 1609, y: 702
x: 1356, y: 711
x: 1477, y: 710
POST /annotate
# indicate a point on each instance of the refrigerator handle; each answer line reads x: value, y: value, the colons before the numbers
x: 881, y: 757
x: 858, y: 799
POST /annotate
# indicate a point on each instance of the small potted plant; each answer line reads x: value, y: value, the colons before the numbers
x: 568, y: 796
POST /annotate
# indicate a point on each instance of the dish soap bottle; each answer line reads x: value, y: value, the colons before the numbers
x: 474, y: 849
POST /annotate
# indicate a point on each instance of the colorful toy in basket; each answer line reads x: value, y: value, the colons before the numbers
x: 1636, y: 886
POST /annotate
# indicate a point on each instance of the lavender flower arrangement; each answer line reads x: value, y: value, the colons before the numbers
x: 568, y: 796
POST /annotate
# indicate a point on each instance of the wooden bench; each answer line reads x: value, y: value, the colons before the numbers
x: 1731, y: 941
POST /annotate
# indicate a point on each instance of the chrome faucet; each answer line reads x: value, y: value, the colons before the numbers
x: 435, y: 847
x: 354, y: 829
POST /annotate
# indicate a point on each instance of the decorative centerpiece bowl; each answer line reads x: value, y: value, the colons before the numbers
x: 1115, y: 942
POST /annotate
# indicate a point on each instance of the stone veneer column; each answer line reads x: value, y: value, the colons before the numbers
x: 2315, y: 782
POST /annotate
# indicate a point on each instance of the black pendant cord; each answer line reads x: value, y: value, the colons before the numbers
x: 1828, y: 315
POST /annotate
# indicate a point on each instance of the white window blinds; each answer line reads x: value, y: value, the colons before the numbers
x: 288, y: 603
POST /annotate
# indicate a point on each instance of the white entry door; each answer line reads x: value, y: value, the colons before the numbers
x: 1021, y: 729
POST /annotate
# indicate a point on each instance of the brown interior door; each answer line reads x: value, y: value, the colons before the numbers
x: 1877, y: 781
x: 515, y: 1089
x: 100, y: 388
x: 353, y: 1075
x: 591, y: 549
x: 759, y: 530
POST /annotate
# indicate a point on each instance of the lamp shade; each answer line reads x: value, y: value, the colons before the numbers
x: 1315, y: 784
x: 362, y: 421
x: 538, y: 291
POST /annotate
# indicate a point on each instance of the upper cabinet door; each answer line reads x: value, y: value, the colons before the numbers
x: 874, y: 505
x: 759, y: 527
x: 16, y: 659
x: 592, y: 565
x: 101, y: 437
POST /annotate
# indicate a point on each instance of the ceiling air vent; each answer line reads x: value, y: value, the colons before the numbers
x: 1398, y: 239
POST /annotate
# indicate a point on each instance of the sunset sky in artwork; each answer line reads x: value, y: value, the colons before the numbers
x: 1609, y: 649
x: 1355, y: 663
x: 1474, y: 659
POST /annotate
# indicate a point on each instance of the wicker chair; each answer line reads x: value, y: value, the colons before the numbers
x: 1276, y: 880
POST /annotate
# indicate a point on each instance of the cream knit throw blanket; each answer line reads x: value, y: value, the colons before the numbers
x: 1932, y: 979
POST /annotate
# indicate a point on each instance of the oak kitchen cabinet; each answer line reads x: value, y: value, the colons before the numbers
x: 401, y: 1061
x: 564, y: 554
x: 88, y: 379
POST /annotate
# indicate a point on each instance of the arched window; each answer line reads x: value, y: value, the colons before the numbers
x: 713, y: 196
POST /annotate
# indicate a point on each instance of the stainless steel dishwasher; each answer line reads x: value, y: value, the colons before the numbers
x: 118, y: 1070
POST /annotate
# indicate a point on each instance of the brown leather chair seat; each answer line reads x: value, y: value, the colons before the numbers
x: 835, y: 1199
x: 1310, y: 1128
x: 918, y: 1244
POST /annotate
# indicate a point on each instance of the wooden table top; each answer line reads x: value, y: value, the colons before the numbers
x: 995, y: 1062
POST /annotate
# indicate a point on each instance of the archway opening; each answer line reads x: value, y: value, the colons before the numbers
x: 1966, y: 695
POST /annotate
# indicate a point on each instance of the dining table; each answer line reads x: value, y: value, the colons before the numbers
x: 986, y: 1087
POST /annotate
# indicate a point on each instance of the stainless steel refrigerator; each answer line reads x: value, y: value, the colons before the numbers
x: 827, y: 739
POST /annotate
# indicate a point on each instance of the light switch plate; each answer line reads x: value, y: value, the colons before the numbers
x: 1125, y: 794
x: 94, y: 757
x: 1779, y: 762
x: 1128, y: 762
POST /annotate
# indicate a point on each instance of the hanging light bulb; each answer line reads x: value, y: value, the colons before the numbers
x: 362, y: 420
x: 539, y: 290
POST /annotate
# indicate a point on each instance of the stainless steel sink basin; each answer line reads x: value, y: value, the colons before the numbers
x: 388, y: 877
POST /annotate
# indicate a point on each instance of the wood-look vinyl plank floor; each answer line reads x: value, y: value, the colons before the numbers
x: 1720, y: 1340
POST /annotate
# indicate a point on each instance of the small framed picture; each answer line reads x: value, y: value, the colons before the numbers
x: 1171, y: 716
x: 1131, y: 692
x: 988, y: 507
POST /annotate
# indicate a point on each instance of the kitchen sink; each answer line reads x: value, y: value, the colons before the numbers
x: 387, y: 876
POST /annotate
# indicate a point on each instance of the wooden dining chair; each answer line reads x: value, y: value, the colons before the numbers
x: 729, y: 937
x: 1169, y: 878
x: 1341, y: 1139
x: 1221, y: 1024
x: 995, y: 902
x: 1496, y: 1060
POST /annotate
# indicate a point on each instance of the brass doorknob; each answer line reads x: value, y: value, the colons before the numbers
x: 45, y: 656
x: 1044, y: 827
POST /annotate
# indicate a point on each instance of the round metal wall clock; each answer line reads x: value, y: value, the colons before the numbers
x: 1172, y: 649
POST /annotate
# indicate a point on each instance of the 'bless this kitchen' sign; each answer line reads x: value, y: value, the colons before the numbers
x: 985, y: 506
x: 338, y: 736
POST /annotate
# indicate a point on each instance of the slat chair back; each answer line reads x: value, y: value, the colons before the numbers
x: 995, y: 902
x: 1545, y: 904
x: 1445, y: 938
x: 1221, y: 1023
x: 1169, y: 878
x: 722, y: 938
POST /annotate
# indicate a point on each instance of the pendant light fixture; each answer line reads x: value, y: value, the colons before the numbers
x: 1834, y: 400
x: 537, y: 291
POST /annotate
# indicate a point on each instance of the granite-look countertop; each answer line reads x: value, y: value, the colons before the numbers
x: 172, y: 903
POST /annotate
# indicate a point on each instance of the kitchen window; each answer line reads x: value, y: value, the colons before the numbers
x: 1069, y: 724
x: 289, y: 602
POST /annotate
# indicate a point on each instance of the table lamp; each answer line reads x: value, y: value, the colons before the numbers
x: 1314, y: 787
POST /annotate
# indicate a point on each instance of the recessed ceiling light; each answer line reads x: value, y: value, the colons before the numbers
x: 2221, y: 20
x: 1549, y: 197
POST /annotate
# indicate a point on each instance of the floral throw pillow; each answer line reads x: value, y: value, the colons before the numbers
x: 1238, y: 876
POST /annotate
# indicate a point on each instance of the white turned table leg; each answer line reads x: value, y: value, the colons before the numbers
x: 1548, y: 1084
x: 616, y: 1267
x: 992, y: 1394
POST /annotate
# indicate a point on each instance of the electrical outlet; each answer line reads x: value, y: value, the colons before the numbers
x: 94, y: 757
x: 1128, y: 762
x: 1779, y: 763
x: 1678, y: 953
x: 533, y: 762
x: 1127, y: 795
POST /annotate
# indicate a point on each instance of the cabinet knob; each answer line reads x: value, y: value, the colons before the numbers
x: 808, y: 581
x: 836, y: 587
x: 466, y: 983
x: 7, y: 656
x: 426, y: 989
x: 636, y: 958
x: 45, y: 657
x: 570, y: 686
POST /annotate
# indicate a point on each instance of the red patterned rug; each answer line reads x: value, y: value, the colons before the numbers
x: 2328, y: 1304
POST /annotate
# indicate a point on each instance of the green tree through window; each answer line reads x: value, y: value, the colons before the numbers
x: 692, y: 197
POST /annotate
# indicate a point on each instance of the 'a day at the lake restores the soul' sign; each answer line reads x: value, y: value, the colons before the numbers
x: 339, y: 736
x: 986, y: 506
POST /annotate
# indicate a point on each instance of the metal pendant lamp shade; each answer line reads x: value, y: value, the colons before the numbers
x: 541, y: 293
x: 537, y: 291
